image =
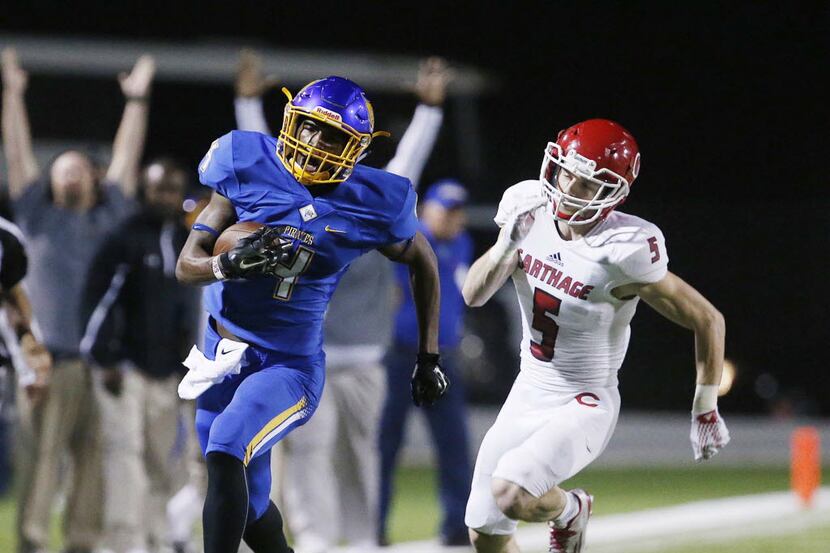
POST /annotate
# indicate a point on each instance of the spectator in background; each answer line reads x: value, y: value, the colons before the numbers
x: 442, y: 223
x: 140, y: 323
x: 64, y: 216
x: 331, y: 470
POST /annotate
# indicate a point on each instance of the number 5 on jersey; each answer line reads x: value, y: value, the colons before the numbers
x: 544, y: 305
x: 287, y: 275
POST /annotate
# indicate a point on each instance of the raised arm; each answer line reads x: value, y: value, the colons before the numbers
x: 17, y: 137
x: 251, y: 84
x: 417, y: 142
x: 490, y: 271
x: 682, y: 304
x: 486, y: 276
x: 132, y: 131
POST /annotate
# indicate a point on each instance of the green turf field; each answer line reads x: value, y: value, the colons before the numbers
x: 415, y: 515
x: 415, y: 509
x: 812, y: 540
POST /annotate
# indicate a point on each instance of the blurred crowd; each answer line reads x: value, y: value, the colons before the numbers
x: 94, y: 327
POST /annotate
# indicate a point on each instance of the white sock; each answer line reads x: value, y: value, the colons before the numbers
x: 570, y: 511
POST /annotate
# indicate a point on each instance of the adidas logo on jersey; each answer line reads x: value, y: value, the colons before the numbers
x: 554, y: 277
x: 555, y: 258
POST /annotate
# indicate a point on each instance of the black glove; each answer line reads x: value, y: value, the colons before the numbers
x: 258, y: 253
x: 428, y: 380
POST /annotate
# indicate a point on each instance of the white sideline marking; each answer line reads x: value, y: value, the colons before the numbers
x: 708, y: 521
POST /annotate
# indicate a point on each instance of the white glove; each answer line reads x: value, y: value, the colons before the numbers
x: 709, y: 434
x: 519, y: 222
x: 205, y: 372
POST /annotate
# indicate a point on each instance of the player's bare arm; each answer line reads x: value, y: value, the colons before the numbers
x: 486, y: 276
x: 429, y: 382
x: 682, y: 304
x: 195, y: 262
x: 259, y: 252
x: 426, y: 289
x: 17, y: 139
x: 679, y: 302
x: 490, y: 271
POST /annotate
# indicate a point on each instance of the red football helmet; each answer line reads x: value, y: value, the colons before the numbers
x: 600, y: 151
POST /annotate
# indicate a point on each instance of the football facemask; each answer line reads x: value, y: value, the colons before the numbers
x: 611, y: 188
x: 334, y: 102
x: 598, y: 151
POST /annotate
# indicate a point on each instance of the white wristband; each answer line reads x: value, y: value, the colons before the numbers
x: 706, y: 398
x: 217, y: 269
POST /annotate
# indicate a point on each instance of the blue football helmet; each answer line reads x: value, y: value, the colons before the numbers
x: 332, y: 101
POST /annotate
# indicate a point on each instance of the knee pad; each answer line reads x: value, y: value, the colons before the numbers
x: 226, y: 434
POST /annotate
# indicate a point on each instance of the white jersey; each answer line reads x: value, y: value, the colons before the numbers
x: 574, y: 330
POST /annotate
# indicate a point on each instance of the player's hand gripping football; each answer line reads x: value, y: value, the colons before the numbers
x: 259, y: 253
x: 428, y: 380
x: 709, y: 434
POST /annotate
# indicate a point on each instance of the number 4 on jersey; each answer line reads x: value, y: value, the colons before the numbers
x: 544, y: 304
x: 287, y: 275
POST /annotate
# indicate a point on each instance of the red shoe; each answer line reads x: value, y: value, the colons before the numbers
x: 571, y: 537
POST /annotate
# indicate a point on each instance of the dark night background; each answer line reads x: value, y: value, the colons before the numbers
x: 725, y: 100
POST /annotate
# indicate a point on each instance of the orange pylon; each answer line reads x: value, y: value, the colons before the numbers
x: 805, y: 466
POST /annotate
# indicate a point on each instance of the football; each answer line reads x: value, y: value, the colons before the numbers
x: 232, y: 234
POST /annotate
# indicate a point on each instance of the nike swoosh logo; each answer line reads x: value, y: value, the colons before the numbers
x: 227, y: 351
x: 329, y: 229
x: 245, y: 265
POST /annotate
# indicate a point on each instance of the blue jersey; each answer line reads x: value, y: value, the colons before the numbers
x: 372, y: 208
x: 454, y: 257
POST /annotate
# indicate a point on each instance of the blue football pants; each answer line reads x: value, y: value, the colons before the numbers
x: 246, y: 414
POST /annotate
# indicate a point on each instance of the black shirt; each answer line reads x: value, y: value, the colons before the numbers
x: 134, y: 309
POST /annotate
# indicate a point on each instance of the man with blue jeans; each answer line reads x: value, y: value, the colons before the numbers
x: 442, y: 222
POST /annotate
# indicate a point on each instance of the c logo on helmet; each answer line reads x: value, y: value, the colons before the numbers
x: 580, y: 399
